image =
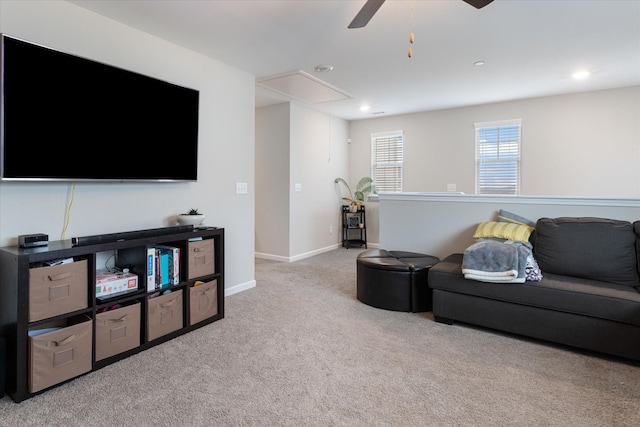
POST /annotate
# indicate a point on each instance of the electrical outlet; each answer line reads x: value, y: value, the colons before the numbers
x: 330, y: 229
x: 451, y: 187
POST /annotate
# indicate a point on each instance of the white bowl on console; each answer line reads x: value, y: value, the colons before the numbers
x: 190, y: 219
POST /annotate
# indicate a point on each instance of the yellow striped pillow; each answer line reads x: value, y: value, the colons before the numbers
x: 503, y: 230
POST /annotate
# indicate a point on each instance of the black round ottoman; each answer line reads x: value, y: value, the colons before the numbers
x: 395, y: 280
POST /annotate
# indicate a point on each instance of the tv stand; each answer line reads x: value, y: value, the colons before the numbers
x: 59, y: 299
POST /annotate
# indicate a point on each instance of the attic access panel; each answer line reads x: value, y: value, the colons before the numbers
x: 303, y: 87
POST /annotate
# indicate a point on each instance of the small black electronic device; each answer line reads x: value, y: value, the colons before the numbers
x: 33, y: 240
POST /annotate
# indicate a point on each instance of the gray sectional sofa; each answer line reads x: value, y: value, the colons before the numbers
x: 589, y: 296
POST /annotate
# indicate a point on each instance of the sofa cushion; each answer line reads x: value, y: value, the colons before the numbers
x: 585, y: 297
x: 591, y: 248
x: 506, y: 216
x: 503, y: 230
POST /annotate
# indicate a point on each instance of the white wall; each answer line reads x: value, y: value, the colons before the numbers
x: 272, y: 180
x: 585, y: 144
x: 442, y: 224
x: 226, y: 138
x: 316, y: 150
x: 318, y: 156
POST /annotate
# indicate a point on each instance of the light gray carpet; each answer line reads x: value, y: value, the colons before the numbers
x: 301, y: 350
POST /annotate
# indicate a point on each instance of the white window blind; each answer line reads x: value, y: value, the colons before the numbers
x: 386, y: 161
x: 498, y: 157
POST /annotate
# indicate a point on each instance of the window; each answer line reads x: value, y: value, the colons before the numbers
x: 498, y: 157
x: 386, y: 161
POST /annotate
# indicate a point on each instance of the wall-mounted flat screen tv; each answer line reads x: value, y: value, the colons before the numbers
x: 67, y: 118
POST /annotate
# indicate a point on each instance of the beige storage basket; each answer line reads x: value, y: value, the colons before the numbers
x: 201, y: 258
x: 61, y: 354
x: 203, y: 301
x: 117, y: 331
x: 57, y: 289
x: 164, y: 314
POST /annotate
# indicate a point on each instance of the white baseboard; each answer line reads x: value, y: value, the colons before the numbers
x: 296, y: 257
x: 313, y: 253
x: 239, y: 288
x: 271, y: 257
x: 252, y: 284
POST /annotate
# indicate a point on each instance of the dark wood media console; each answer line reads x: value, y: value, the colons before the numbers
x: 57, y: 329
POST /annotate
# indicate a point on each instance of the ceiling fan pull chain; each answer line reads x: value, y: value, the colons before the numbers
x: 411, y: 37
x: 410, y: 41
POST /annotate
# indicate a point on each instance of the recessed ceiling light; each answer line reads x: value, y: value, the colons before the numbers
x: 324, y: 68
x: 364, y: 108
x: 478, y: 63
x: 579, y: 75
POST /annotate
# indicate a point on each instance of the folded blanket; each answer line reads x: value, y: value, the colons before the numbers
x: 496, y: 261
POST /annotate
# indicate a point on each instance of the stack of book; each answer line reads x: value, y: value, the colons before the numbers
x: 163, y: 267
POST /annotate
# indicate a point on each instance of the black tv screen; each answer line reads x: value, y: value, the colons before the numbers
x: 66, y: 118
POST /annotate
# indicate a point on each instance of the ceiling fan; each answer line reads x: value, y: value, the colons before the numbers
x: 371, y: 7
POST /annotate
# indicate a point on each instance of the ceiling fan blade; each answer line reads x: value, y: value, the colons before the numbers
x: 478, y: 4
x: 366, y: 13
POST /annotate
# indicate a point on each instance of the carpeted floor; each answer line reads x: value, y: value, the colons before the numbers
x: 301, y: 350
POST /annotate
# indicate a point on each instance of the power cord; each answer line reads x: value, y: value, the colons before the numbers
x: 68, y: 213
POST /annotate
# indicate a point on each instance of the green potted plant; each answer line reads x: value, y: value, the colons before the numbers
x: 191, y: 217
x: 363, y: 188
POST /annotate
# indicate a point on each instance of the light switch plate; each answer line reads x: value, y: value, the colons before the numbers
x: 241, y: 188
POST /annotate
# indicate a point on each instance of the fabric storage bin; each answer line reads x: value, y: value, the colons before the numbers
x: 59, y: 353
x: 201, y: 262
x: 117, y: 330
x: 164, y: 314
x: 57, y: 289
x: 203, y: 301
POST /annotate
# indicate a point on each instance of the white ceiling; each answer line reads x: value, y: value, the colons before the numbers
x: 530, y: 47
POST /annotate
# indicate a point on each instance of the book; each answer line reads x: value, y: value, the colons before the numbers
x: 164, y: 268
x: 175, y: 270
x: 157, y: 266
x: 169, y: 265
x: 151, y: 269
